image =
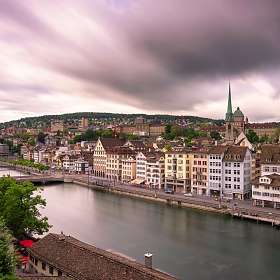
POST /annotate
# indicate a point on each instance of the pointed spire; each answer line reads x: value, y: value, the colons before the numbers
x: 229, y: 114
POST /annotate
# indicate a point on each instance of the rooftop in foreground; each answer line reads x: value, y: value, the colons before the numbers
x: 79, y: 260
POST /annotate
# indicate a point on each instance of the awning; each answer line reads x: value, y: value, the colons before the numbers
x: 137, y: 181
x: 26, y: 243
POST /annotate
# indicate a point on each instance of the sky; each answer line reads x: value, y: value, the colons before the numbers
x: 139, y: 56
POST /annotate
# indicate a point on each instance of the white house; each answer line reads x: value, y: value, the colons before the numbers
x: 155, y: 170
x: 270, y: 160
x: 215, y: 170
x: 141, y: 160
x: 236, y: 174
x: 266, y: 191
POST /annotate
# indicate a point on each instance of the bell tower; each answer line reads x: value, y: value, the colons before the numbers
x: 229, y: 118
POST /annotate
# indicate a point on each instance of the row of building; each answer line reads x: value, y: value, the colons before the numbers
x: 227, y: 171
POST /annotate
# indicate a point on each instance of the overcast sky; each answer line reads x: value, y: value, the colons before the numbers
x: 150, y: 56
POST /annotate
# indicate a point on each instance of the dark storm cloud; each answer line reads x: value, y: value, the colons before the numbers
x: 154, y: 55
x: 188, y: 42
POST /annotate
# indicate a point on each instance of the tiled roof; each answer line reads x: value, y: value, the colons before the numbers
x: 120, y: 151
x: 275, y: 180
x: 25, y: 276
x: 270, y: 154
x: 137, y: 143
x: 263, y: 125
x: 108, y: 143
x: 85, y: 262
x: 235, y: 154
x: 217, y: 150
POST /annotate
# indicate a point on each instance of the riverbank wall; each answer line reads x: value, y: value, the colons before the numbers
x: 173, y: 202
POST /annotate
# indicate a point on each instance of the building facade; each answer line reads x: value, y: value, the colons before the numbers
x: 178, y: 171
x: 199, y: 181
x: 237, y: 173
x: 266, y: 191
x: 215, y: 169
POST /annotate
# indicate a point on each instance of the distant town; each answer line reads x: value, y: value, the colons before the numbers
x: 230, y: 158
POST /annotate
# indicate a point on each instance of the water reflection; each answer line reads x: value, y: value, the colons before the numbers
x: 187, y: 243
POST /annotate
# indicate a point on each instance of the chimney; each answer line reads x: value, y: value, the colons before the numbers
x: 149, y: 260
x: 61, y: 236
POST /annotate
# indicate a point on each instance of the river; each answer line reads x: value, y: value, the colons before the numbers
x: 187, y: 243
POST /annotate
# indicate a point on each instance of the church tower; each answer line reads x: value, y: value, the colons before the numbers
x: 229, y: 119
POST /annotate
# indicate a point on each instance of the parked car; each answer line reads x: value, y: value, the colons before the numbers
x: 188, y: 194
x: 169, y: 191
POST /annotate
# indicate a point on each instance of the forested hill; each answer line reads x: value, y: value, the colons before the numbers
x: 73, y: 118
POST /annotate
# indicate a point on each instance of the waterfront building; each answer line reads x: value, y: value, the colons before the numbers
x: 266, y: 191
x: 38, y: 154
x: 100, y: 154
x: 81, y: 166
x: 199, y: 179
x: 27, y: 152
x: 68, y: 162
x: 61, y: 255
x: 270, y: 160
x: 115, y: 157
x: 141, y: 165
x: 215, y: 169
x: 236, y: 174
x: 128, y: 169
x: 155, y: 170
x: 178, y: 170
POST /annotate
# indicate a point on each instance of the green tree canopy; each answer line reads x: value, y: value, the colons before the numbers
x: 19, y: 207
x: 41, y: 137
x: 215, y: 135
x: 252, y: 136
x: 7, y: 256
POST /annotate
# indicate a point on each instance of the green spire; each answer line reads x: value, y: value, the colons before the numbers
x: 229, y: 115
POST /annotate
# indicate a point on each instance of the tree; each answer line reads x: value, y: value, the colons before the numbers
x: 252, y: 136
x: 276, y: 135
x: 41, y: 137
x: 107, y: 133
x: 19, y: 207
x: 215, y: 135
x: 7, y: 256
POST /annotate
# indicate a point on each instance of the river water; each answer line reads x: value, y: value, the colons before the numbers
x: 187, y: 243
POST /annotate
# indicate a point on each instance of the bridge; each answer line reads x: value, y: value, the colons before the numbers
x: 42, y: 179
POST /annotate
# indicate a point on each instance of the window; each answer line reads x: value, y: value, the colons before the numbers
x: 59, y: 273
x: 51, y: 270
x: 43, y: 265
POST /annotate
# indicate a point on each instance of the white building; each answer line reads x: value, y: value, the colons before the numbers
x: 270, y: 160
x: 141, y: 161
x: 155, y: 170
x: 266, y: 191
x: 81, y: 166
x: 236, y: 174
x: 215, y: 169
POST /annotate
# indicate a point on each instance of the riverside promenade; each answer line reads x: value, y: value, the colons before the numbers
x: 235, y: 208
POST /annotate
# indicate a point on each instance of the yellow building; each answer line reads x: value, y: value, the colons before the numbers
x: 178, y: 171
